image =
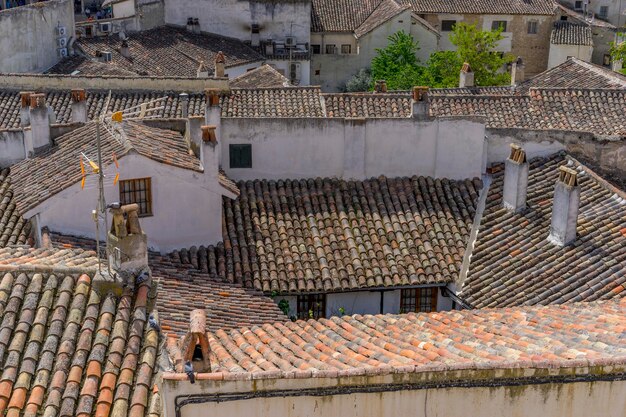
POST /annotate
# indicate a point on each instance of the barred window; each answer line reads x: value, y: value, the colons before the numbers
x: 137, y: 191
x: 532, y: 27
x: 416, y: 300
x: 311, y: 306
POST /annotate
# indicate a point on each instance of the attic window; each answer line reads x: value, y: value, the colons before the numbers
x: 416, y: 300
x: 137, y: 191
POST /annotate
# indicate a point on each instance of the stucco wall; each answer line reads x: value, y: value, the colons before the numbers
x: 124, y: 9
x: 28, y: 37
x: 12, y: 147
x: 234, y: 18
x: 355, y: 148
x: 187, y: 205
x: 476, y: 393
x: 560, y: 53
x: 151, y: 14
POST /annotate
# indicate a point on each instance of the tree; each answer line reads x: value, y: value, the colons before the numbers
x: 361, y: 81
x: 397, y: 63
x: 442, y: 70
x: 618, y: 53
x: 478, y: 48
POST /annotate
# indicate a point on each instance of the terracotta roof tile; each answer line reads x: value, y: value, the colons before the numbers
x: 514, y: 264
x: 372, y: 105
x: 343, y: 16
x: 14, y: 229
x: 568, y: 33
x: 273, y: 102
x: 529, y: 337
x: 262, y: 77
x: 575, y: 73
x: 529, y: 7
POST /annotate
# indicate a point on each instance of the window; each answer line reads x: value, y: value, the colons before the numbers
x: 604, y: 11
x: 330, y: 49
x: 255, y: 28
x: 137, y: 191
x: 498, y: 24
x: 578, y: 5
x: 240, y: 156
x: 417, y: 300
x: 532, y: 27
x: 447, y: 25
x: 317, y: 72
x: 564, y: 18
x: 316, y: 49
x: 311, y: 306
x: 346, y: 49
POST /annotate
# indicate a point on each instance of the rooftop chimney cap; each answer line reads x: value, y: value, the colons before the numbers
x: 37, y: 100
x: 25, y: 97
x: 212, y: 96
x: 568, y: 176
x: 220, y: 58
x: 420, y: 93
x: 517, y: 154
x: 78, y: 95
x: 208, y: 133
x: 466, y: 67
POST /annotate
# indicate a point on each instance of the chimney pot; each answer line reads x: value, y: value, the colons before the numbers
x: 25, y: 110
x: 208, y: 134
x: 212, y: 96
x: 128, y: 244
x: 515, y: 179
x: 184, y: 104
x: 220, y: 64
x: 565, y: 207
x: 79, y: 106
x: 420, y: 101
x: 37, y: 101
x: 124, y: 49
x: 78, y: 95
x: 466, y: 76
x: 25, y: 98
x: 197, y: 321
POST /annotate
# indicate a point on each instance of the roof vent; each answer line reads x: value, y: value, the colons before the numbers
x: 565, y: 207
x: 515, y: 179
x: 195, y: 345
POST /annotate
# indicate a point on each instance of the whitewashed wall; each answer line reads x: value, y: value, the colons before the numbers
x: 355, y: 148
x: 560, y: 53
x: 187, y: 205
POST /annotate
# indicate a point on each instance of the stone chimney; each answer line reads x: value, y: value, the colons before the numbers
x: 39, y: 121
x: 515, y: 179
x: 183, y: 98
x: 124, y: 49
x: 25, y: 108
x: 127, y: 249
x: 79, y: 106
x: 196, y: 25
x: 466, y: 77
x: 380, y: 86
x: 420, y: 101
x: 220, y: 65
x: 565, y: 207
x: 202, y: 71
x: 195, y: 344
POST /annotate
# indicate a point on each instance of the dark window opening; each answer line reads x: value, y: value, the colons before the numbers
x: 346, y: 49
x: 197, y: 353
x: 498, y: 24
x: 447, y: 25
x: 137, y: 191
x: 330, y: 49
x: 311, y: 306
x: 240, y: 156
x: 316, y: 49
x: 418, y: 300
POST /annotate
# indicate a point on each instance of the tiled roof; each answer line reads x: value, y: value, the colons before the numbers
x: 273, y: 102
x: 14, y: 229
x: 341, y: 15
x: 472, y: 91
x: 69, y: 350
x: 582, y: 334
x: 528, y: 7
x: 567, y: 33
x: 165, y: 51
x: 386, y: 10
x: 57, y: 168
x: 227, y: 183
x: 88, y: 66
x: 575, y: 73
x: 227, y: 305
x: 327, y: 235
x: 26, y: 258
x: 580, y: 17
x: 368, y: 105
x: 513, y: 263
x: 261, y: 77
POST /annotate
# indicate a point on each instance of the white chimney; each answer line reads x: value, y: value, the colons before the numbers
x: 565, y: 207
x: 190, y: 24
x: 79, y: 106
x: 124, y: 49
x: 213, y: 116
x: 466, y: 77
x: 515, y: 179
x: 25, y: 108
x: 220, y: 65
x: 194, y: 132
x: 39, y: 121
x: 196, y: 25
x: 202, y: 71
x: 183, y: 98
x: 420, y: 101
x: 127, y: 246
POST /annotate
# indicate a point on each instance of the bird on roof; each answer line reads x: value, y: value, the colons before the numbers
x: 154, y: 324
x: 189, y: 372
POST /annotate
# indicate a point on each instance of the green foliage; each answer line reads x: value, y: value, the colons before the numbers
x: 478, y: 48
x: 397, y: 63
x: 342, y: 311
x: 284, y: 306
x: 618, y: 53
x: 442, y: 70
x: 361, y: 81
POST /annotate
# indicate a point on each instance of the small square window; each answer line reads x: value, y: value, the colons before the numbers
x: 532, y: 27
x: 330, y: 49
x: 604, y: 12
x: 317, y: 72
x: 137, y: 191
x: 240, y: 156
x: 254, y: 28
x: 311, y: 306
x: 578, y: 5
x: 316, y: 49
x: 416, y: 300
x: 447, y: 25
x: 564, y: 18
x: 346, y: 49
x: 498, y: 24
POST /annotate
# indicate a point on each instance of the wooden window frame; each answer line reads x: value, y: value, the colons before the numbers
x: 411, y: 299
x: 311, y: 302
x: 130, y: 196
x: 238, y: 147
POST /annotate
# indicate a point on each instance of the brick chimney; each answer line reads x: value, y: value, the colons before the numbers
x: 25, y: 107
x: 420, y: 101
x: 380, y: 86
x: 466, y: 77
x: 220, y: 65
x: 124, y: 49
x: 515, y: 179
x: 127, y: 248
x: 195, y: 344
x: 79, y: 106
x: 565, y: 207
x: 39, y: 121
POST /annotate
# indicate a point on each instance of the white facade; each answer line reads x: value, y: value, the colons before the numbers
x: 560, y: 53
x: 124, y: 9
